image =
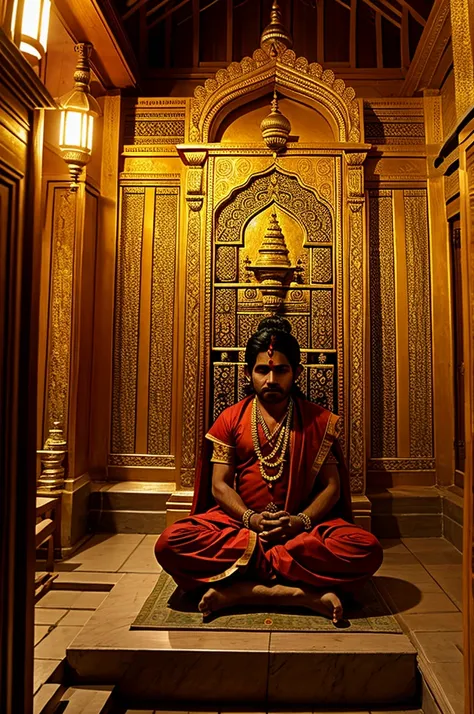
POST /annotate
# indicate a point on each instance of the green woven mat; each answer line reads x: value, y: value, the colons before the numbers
x: 168, y: 608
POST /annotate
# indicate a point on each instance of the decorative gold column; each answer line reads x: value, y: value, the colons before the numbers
x: 68, y: 274
x: 462, y: 28
x: 442, y: 328
x: 357, y: 300
x: 193, y: 386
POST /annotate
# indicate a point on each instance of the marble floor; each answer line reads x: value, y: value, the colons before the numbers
x: 420, y: 579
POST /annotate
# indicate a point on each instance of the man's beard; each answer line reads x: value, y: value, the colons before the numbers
x: 273, y: 396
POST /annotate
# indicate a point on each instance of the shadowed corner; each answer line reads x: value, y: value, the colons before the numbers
x: 398, y: 595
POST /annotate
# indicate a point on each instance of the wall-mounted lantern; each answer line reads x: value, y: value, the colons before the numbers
x: 78, y: 110
x: 34, y: 27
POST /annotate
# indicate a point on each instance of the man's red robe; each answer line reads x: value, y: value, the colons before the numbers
x: 209, y: 545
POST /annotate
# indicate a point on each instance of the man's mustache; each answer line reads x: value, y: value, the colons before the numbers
x: 272, y: 389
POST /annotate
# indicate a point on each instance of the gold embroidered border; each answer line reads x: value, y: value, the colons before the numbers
x: 222, y: 454
x: 218, y: 441
x: 333, y: 429
x: 242, y: 562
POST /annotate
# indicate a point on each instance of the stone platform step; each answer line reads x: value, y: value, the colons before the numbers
x: 189, y: 669
x: 129, y: 506
x: 407, y: 512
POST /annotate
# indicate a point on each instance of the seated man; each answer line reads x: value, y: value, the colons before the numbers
x: 274, y: 525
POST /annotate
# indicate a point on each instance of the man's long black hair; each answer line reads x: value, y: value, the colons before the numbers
x: 276, y: 331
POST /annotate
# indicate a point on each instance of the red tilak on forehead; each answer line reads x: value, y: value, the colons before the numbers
x: 270, y: 363
x: 271, y: 346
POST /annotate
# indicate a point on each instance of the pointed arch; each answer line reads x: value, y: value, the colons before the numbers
x: 293, y: 77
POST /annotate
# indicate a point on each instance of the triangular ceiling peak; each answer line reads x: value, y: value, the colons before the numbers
x: 274, y: 66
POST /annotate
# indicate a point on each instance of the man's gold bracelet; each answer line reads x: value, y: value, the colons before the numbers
x: 246, y: 516
x: 308, y: 526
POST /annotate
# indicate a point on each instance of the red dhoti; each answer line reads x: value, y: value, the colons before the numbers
x: 209, y: 546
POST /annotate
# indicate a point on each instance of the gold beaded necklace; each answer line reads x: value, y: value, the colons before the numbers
x: 273, y: 460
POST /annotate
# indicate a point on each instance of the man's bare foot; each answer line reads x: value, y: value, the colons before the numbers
x: 334, y: 605
x: 248, y: 593
x: 218, y: 599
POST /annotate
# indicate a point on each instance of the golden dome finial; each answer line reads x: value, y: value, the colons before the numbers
x: 275, y: 127
x: 275, y: 38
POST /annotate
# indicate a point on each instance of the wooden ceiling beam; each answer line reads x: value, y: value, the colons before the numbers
x: 391, y: 7
x: 137, y: 5
x: 416, y: 15
x: 430, y: 49
x: 157, y: 7
x: 113, y: 59
x: 167, y: 13
x: 383, y: 13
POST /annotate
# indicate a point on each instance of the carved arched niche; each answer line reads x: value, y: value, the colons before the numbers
x: 273, y: 187
x: 243, y: 123
x: 228, y: 181
x: 292, y: 77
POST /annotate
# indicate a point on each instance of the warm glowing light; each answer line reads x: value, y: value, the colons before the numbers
x: 78, y: 109
x: 34, y: 27
x: 75, y: 130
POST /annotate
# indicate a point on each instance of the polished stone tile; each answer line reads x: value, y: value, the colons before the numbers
x: 77, y: 618
x: 48, y: 616
x: 433, y: 622
x: 453, y: 570
x: 196, y: 676
x: 428, y: 703
x: 399, y: 586
x: 399, y: 558
x: 89, y: 600
x: 43, y: 696
x: 337, y: 642
x: 440, y: 646
x: 420, y: 545
x: 155, y: 651
x: 409, y: 573
x: 412, y: 599
x: 342, y: 679
x: 40, y: 632
x: 45, y: 669
x: 450, y: 676
x: 104, y: 553
x: 87, y: 699
x: 393, y: 545
x: 142, y: 560
x: 63, y: 599
x: 54, y: 645
x: 441, y: 557
x: 82, y: 580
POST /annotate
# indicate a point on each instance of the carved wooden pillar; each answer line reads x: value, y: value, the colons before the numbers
x: 67, y: 290
x: 356, y: 299
x: 462, y: 28
x: 193, y: 387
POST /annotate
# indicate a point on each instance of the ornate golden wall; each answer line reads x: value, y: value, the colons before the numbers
x: 191, y: 219
x: 401, y: 364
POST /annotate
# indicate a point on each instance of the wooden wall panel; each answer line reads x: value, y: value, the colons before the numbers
x: 143, y: 414
x: 382, y: 320
x: 401, y: 365
x: 127, y: 316
x: 419, y: 323
x: 162, y: 321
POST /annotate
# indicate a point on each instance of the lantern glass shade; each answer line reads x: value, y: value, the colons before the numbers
x: 76, y: 130
x: 34, y: 27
